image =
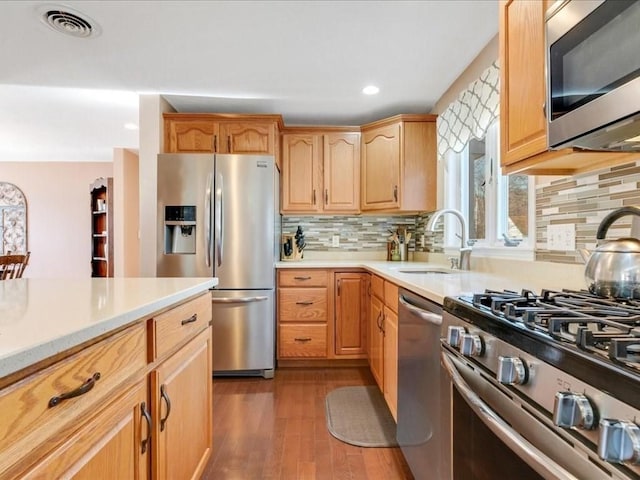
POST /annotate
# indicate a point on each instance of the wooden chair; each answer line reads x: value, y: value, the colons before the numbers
x: 12, y: 265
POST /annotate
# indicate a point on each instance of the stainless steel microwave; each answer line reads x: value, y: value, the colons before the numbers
x: 593, y: 74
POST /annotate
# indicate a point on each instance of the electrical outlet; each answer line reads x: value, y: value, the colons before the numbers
x: 561, y: 237
x: 335, y: 241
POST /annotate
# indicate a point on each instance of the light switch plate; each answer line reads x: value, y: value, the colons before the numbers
x: 335, y: 241
x: 561, y: 237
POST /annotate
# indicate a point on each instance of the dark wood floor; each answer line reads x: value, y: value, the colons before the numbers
x: 276, y: 429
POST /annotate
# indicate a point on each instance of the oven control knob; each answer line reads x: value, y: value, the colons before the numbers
x: 619, y: 441
x: 453, y: 336
x: 511, y: 371
x: 471, y: 345
x: 572, y: 409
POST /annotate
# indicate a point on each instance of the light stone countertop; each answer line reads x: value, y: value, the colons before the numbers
x: 436, y: 286
x: 40, y: 318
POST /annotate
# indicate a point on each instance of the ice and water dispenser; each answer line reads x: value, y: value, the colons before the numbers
x: 180, y: 229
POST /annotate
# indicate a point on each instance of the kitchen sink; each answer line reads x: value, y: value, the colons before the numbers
x: 427, y: 271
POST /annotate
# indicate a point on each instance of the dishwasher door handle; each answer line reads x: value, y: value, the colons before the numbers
x: 238, y: 299
x: 430, y: 317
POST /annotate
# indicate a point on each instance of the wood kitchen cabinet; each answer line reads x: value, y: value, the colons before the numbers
x: 118, y: 432
x: 390, y: 331
x: 351, y: 314
x: 523, y: 124
x: 221, y: 133
x: 376, y: 337
x: 151, y: 380
x: 302, y: 313
x: 181, y: 392
x: 320, y: 170
x: 399, y: 164
x: 383, y: 338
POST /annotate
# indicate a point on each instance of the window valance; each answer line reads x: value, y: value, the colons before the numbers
x: 471, y: 114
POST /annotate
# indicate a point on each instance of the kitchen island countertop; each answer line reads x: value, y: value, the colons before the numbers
x: 40, y: 318
x: 436, y: 286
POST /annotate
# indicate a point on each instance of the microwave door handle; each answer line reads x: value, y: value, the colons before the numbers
x: 207, y: 221
x: 430, y: 317
x: 218, y: 218
x: 541, y: 463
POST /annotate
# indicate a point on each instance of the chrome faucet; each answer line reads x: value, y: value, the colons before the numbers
x: 465, y: 250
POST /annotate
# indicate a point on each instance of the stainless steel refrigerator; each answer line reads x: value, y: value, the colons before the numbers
x: 218, y: 215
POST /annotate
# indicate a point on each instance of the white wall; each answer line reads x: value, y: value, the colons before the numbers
x: 126, y: 247
x: 58, y: 214
x: 151, y: 143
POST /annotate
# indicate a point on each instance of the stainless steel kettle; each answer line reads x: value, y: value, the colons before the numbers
x: 613, y: 270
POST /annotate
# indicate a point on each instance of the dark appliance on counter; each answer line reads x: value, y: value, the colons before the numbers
x: 593, y: 74
x: 218, y: 215
x: 540, y: 386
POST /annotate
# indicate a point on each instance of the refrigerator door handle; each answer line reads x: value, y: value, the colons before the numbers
x: 207, y: 221
x: 239, y: 299
x: 218, y: 218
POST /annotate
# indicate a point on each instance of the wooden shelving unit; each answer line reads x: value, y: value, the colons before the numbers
x: 101, y: 193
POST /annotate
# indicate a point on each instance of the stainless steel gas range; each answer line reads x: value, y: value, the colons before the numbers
x: 541, y: 386
x: 519, y: 385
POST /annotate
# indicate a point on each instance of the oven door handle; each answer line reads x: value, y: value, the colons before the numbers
x: 426, y: 315
x: 541, y: 463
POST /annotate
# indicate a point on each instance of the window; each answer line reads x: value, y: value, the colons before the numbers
x: 500, y: 209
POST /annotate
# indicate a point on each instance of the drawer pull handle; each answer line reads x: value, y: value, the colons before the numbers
x: 302, y: 278
x: 163, y: 395
x: 304, y: 303
x: 302, y: 339
x: 147, y: 417
x: 191, y: 319
x: 81, y: 390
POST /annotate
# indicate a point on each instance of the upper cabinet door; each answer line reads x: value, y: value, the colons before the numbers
x: 522, y: 83
x: 341, y: 172
x: 190, y: 136
x: 247, y: 138
x: 381, y: 168
x: 301, y: 173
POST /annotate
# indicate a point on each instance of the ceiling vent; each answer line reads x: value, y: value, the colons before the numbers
x: 68, y: 21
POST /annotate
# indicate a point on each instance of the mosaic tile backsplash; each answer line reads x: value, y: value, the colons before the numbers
x: 582, y: 201
x: 358, y: 232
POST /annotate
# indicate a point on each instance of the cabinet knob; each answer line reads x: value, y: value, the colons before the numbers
x: 511, y: 371
x: 572, y: 409
x: 619, y: 441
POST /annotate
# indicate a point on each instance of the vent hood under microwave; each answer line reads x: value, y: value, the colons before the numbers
x: 593, y: 75
x: 606, y: 123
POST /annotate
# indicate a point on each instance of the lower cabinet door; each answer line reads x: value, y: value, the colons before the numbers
x: 391, y: 360
x: 181, y: 389
x: 376, y: 341
x: 114, y: 444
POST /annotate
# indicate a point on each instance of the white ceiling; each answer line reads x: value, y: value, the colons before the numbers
x: 67, y: 99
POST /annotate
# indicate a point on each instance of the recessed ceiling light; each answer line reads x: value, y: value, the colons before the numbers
x: 370, y: 90
x: 131, y: 126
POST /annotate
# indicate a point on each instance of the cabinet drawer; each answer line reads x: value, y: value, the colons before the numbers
x: 181, y: 323
x: 391, y: 296
x: 29, y: 421
x: 302, y: 304
x: 377, y: 286
x: 302, y: 278
x: 303, y: 340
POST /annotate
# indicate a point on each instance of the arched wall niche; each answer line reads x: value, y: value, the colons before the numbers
x: 13, y: 219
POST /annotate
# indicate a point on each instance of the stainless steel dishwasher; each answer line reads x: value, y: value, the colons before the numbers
x: 420, y: 433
